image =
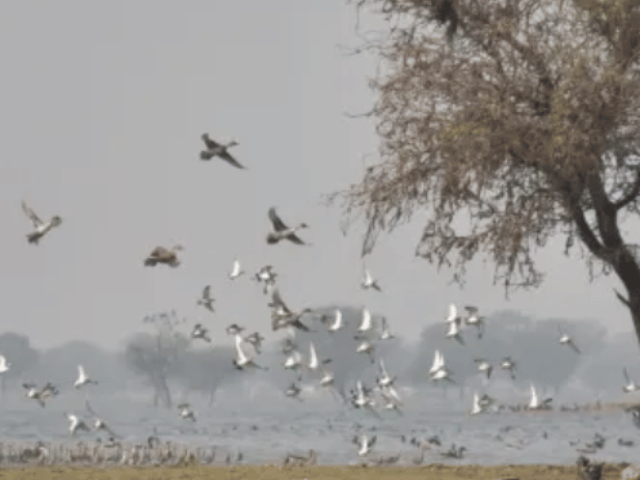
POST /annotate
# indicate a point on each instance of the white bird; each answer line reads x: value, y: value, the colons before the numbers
x: 185, y: 411
x: 33, y: 393
x: 83, y: 378
x: 200, y: 332
x: 475, y: 320
x: 509, y: 365
x: 384, y: 380
x: 267, y: 276
x: 243, y: 360
x: 535, y: 403
x: 442, y: 374
x: 327, y: 377
x: 368, y: 348
x: 453, y: 314
x: 366, y: 323
x: 337, y: 324
x: 365, y: 444
x: 439, y: 370
x: 631, y: 385
x: 391, y: 394
x: 236, y: 271
x: 362, y: 399
x: 41, y: 228
x: 386, y: 332
x: 368, y: 281
x: 476, y: 408
x: 98, y: 423
x: 567, y: 340
x: 314, y: 363
x: 438, y: 363
x: 454, y: 332
x: 4, y: 365
x: 76, y: 424
x: 484, y: 366
x: 294, y: 362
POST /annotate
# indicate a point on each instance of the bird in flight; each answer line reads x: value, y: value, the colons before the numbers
x: 220, y: 150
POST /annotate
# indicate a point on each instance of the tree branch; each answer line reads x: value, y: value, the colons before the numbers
x: 622, y: 299
x: 631, y: 194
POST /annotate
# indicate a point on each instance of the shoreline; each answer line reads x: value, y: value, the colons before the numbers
x: 268, y: 472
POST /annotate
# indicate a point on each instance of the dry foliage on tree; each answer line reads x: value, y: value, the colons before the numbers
x: 520, y: 115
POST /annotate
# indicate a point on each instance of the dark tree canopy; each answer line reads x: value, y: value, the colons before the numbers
x: 508, y: 122
x: 156, y: 356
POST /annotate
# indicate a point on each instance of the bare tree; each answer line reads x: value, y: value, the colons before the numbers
x: 521, y: 115
x: 155, y: 356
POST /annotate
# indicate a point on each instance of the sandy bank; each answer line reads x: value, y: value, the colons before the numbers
x: 427, y: 472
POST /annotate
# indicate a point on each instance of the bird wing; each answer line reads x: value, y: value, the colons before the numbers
x: 236, y: 268
x: 278, y: 224
x: 313, y: 356
x: 573, y: 345
x: 241, y: 354
x: 292, y: 237
x: 626, y: 375
x: 31, y: 214
x: 81, y: 373
x: 366, y: 319
x: 276, y: 301
x: 372, y: 441
x: 211, y: 144
x: 383, y: 370
x: 393, y: 394
x: 206, y: 293
x: 453, y: 313
x: 226, y: 156
x: 367, y: 277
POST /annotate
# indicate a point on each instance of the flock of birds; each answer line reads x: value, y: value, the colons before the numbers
x: 382, y: 396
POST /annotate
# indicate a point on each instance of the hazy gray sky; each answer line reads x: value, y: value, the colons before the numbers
x: 103, y: 105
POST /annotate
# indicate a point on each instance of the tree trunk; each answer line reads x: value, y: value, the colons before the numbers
x: 628, y: 271
x: 161, y: 390
x: 612, y: 249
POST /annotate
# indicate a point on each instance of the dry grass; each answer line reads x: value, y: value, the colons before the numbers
x: 441, y: 472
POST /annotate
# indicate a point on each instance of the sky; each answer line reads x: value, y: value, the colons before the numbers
x: 103, y: 106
